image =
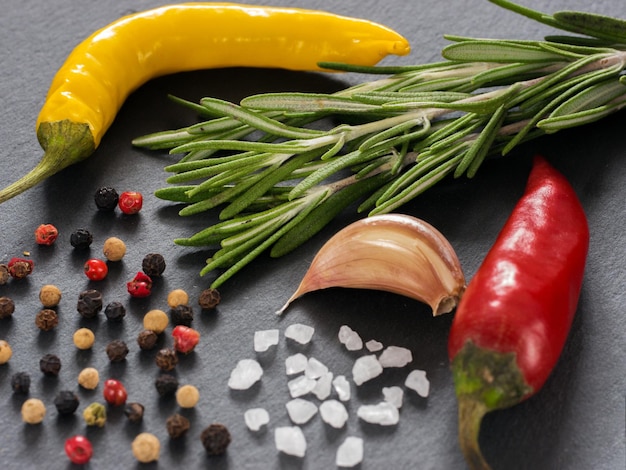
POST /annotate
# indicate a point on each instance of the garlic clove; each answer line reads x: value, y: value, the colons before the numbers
x: 391, y: 252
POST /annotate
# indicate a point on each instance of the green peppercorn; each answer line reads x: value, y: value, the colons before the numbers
x: 134, y: 412
x: 20, y: 382
x: 115, y: 311
x: 89, y: 303
x: 181, y: 315
x: 50, y: 365
x: 46, y: 319
x: 66, y: 402
x: 7, y: 307
x: 81, y: 239
x: 95, y: 415
x: 177, y: 425
x: 153, y: 265
x: 117, y: 350
x: 166, y: 385
x: 209, y: 299
x: 215, y: 439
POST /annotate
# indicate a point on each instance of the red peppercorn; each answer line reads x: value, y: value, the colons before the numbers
x: 78, y: 449
x: 19, y: 268
x: 140, y: 286
x: 46, y: 234
x: 130, y: 202
x: 114, y: 392
x: 96, y: 269
x: 185, y: 338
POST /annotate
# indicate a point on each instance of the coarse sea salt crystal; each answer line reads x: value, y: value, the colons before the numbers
x: 315, y: 369
x: 393, y: 395
x: 300, y: 386
x: 245, y: 374
x: 350, y: 338
x: 366, y: 368
x: 350, y: 452
x: 342, y: 387
x: 395, y: 356
x: 416, y: 380
x: 323, y: 386
x: 373, y: 346
x: 300, y: 411
x: 256, y: 418
x: 265, y: 339
x: 300, y: 333
x: 333, y: 413
x: 290, y: 440
x: 295, y: 364
x: 383, y: 413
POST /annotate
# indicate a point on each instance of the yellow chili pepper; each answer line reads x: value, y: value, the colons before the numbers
x: 100, y: 73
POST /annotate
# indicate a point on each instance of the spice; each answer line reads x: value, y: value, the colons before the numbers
x: 95, y: 415
x: 177, y: 425
x: 50, y: 365
x: 19, y: 268
x: 33, y: 411
x: 215, y: 439
x: 185, y: 339
x: 5, y: 351
x: 83, y: 338
x: 177, y: 297
x: 46, y: 319
x: 95, y: 269
x: 106, y: 199
x: 88, y: 378
x: 166, y: 384
x: 46, y: 234
x: 156, y: 320
x: 66, y: 402
x: 182, y: 315
x: 209, y: 298
x: 4, y: 274
x: 130, y: 202
x: 166, y: 359
x: 115, y: 311
x: 134, y: 412
x: 7, y: 307
x: 114, y: 392
x: 20, y: 382
x: 147, y: 339
x: 89, y: 303
x: 114, y: 249
x: 146, y: 447
x: 49, y: 295
x: 117, y: 350
x: 140, y: 285
x: 187, y: 396
x: 78, y: 449
x: 153, y: 264
x: 81, y: 239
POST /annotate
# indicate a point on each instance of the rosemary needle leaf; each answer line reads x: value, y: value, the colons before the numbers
x: 504, y: 51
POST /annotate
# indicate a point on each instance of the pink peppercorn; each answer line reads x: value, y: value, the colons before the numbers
x: 140, y: 285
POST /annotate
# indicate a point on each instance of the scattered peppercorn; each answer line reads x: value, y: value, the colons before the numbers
x: 153, y: 264
x: 209, y: 299
x: 95, y: 415
x: 66, y: 402
x: 46, y: 319
x: 50, y: 365
x: 95, y: 269
x: 49, y: 295
x: 140, y: 285
x: 185, y: 339
x: 177, y: 425
x: 81, y: 239
x: 115, y: 311
x: 5, y: 351
x: 117, y: 350
x: 7, y: 307
x: 89, y: 303
x: 166, y: 385
x: 83, y: 338
x: 114, y: 392
x: 177, y: 297
x: 78, y: 449
x: 166, y: 359
x: 146, y: 447
x: 88, y: 378
x: 46, y: 234
x: 134, y: 412
x: 215, y: 439
x: 19, y: 268
x: 181, y: 315
x: 156, y: 320
x: 106, y: 199
x: 20, y: 382
x: 187, y: 396
x: 130, y: 202
x: 4, y: 274
x: 114, y: 249
x: 33, y: 411
x: 147, y: 340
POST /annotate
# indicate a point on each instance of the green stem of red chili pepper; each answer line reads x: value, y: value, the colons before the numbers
x: 513, y: 320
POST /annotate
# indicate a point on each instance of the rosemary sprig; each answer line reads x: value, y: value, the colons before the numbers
x: 278, y: 180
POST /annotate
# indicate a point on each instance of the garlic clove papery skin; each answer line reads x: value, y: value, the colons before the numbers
x: 391, y: 252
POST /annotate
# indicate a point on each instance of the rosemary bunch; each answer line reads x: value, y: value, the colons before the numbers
x: 279, y: 180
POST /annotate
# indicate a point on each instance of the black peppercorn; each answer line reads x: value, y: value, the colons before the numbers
x: 115, y: 311
x: 153, y: 264
x: 46, y: 319
x: 50, y: 365
x: 166, y: 359
x: 81, y: 239
x: 4, y: 274
x: 66, y: 402
x: 166, y: 385
x: 20, y: 382
x: 147, y: 339
x: 89, y: 303
x: 106, y: 199
x: 134, y: 412
x: 177, y: 425
x: 181, y: 315
x: 209, y: 299
x: 117, y: 350
x: 7, y: 307
x: 215, y: 439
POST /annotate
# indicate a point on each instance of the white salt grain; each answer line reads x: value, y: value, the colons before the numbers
x: 290, y: 440
x: 383, y: 413
x: 395, y: 356
x: 295, y: 364
x: 366, y: 368
x: 334, y: 413
x: 323, y: 385
x: 416, y: 380
x: 300, y: 386
x: 372, y: 345
x: 256, y: 418
x: 342, y: 387
x: 265, y: 339
x: 300, y: 411
x: 245, y: 374
x: 350, y: 452
x: 315, y: 369
x: 393, y: 395
x: 300, y: 333
x: 350, y: 338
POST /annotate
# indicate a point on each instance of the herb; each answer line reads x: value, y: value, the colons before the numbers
x: 278, y: 179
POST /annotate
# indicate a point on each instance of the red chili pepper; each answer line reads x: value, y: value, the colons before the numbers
x: 514, y: 318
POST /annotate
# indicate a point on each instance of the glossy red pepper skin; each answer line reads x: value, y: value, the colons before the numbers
x: 514, y: 318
